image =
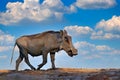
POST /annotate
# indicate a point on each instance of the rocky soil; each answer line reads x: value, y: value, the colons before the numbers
x: 61, y: 74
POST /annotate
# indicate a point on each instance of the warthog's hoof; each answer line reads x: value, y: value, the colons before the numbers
x: 33, y: 68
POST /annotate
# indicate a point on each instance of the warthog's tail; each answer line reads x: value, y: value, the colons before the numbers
x: 12, y: 53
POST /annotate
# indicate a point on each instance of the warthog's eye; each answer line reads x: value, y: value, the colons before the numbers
x: 66, y: 39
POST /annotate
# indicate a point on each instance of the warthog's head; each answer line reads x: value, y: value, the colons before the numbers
x: 67, y: 45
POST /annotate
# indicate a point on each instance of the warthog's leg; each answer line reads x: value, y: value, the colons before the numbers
x: 44, y: 61
x: 52, y: 56
x: 28, y: 63
x: 18, y: 61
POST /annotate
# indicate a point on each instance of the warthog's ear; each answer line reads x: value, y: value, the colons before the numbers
x: 61, y: 32
x: 65, y: 32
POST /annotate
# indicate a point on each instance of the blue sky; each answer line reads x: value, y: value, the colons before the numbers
x: 93, y: 24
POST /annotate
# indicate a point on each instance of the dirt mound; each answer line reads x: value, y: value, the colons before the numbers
x: 61, y: 74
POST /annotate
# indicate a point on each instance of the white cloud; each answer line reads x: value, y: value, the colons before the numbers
x: 104, y: 30
x: 94, y: 4
x: 90, y: 51
x: 33, y: 10
x: 104, y: 36
x: 56, y: 4
x: 109, y: 29
x: 47, y: 10
x: 6, y: 40
x: 112, y: 24
x: 3, y: 57
x: 78, y: 30
x: 5, y: 48
x: 103, y: 48
x: 93, y: 56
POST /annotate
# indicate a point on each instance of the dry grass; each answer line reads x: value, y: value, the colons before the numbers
x: 4, y: 71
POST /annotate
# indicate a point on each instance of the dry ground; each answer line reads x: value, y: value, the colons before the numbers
x: 61, y: 74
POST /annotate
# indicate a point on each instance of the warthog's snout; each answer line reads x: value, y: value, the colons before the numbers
x: 72, y: 52
x: 75, y: 52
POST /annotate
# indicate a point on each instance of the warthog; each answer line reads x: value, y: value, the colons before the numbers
x: 42, y: 44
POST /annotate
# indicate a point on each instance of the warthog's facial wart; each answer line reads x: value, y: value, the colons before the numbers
x: 67, y: 45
